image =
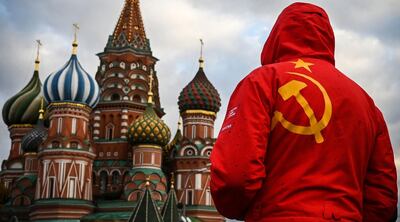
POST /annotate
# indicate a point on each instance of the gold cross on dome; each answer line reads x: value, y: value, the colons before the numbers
x: 76, y: 29
x: 201, y: 60
x: 37, y: 60
x: 39, y: 43
x: 201, y: 48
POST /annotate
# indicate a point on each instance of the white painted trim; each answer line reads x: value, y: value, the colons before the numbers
x: 198, y: 181
x: 73, y: 128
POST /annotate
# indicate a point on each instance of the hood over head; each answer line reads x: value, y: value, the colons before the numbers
x: 301, y: 30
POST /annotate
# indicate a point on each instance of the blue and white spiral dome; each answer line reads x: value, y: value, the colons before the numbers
x: 71, y: 84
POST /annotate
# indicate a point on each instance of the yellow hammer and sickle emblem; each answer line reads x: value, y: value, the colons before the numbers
x: 293, y: 89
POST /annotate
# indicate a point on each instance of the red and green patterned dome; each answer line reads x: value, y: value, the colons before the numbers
x: 199, y: 94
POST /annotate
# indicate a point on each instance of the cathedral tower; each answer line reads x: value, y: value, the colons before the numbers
x: 123, y: 75
x: 148, y: 135
x: 20, y: 113
x: 198, y: 103
x: 64, y: 184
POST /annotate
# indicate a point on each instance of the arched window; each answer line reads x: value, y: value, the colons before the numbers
x: 103, y: 181
x: 189, y: 197
x: 208, y: 197
x: 74, y: 145
x: 115, y: 97
x: 55, y: 144
x: 115, y: 178
x: 137, y: 98
x: 51, y: 187
x: 193, y: 131
x: 110, y: 131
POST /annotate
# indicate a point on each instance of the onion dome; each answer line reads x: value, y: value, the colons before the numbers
x: 72, y: 84
x: 149, y: 128
x: 23, y: 107
x: 31, y: 141
x: 199, y: 94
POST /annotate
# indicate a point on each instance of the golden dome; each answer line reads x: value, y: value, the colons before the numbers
x: 149, y: 129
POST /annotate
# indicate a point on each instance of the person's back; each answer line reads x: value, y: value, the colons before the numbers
x: 301, y: 141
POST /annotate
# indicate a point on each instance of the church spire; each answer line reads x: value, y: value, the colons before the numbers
x: 129, y: 31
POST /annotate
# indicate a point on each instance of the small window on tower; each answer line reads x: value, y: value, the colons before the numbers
x: 71, y: 188
x: 133, y: 66
x: 110, y: 132
x: 51, y: 187
x: 122, y: 65
x: 115, y: 97
x: 103, y: 181
x: 208, y: 197
x: 137, y: 98
x: 115, y: 178
x: 55, y: 144
x: 205, y: 131
x: 189, y: 197
x: 193, y: 131
x: 74, y: 145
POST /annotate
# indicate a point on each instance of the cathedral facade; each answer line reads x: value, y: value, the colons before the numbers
x: 96, y: 149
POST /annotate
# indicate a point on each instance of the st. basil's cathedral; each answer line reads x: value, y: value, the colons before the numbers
x: 96, y: 149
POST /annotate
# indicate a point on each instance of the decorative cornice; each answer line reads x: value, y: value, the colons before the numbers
x: 63, y: 104
x: 198, y: 111
x: 20, y: 126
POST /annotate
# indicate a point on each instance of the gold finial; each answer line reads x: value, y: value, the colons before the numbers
x: 41, y: 110
x: 172, y: 180
x: 75, y: 43
x: 201, y: 60
x: 37, y: 60
x: 150, y: 93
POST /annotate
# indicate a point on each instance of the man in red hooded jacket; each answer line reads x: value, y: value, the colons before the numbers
x: 300, y: 140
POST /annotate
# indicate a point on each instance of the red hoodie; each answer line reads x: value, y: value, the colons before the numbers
x: 300, y: 140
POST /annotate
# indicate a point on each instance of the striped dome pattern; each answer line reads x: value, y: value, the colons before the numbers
x: 24, y: 106
x: 199, y: 94
x: 71, y: 84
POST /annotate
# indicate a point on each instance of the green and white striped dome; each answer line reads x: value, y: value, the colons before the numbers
x: 24, y: 106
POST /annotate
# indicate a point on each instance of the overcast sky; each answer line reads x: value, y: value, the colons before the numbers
x: 234, y: 31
